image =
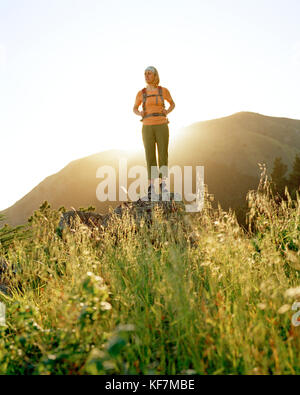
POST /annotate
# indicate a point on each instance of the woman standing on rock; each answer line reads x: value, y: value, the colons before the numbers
x: 155, y: 127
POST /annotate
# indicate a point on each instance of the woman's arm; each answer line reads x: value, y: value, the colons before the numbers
x: 138, y: 102
x: 169, y: 99
x: 171, y: 108
x: 137, y: 112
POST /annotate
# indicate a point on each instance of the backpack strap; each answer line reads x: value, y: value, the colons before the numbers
x: 161, y: 96
x: 144, y: 91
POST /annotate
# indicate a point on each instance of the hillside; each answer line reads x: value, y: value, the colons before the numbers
x: 242, y: 140
x: 229, y: 148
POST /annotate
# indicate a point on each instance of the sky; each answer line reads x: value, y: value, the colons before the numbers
x: 70, y: 71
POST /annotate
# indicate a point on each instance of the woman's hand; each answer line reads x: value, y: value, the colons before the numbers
x: 137, y: 112
x: 165, y: 112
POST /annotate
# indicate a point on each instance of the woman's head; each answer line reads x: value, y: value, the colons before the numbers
x: 151, y: 76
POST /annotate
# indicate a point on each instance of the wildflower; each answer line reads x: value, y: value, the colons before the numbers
x: 283, y: 309
x: 105, y: 306
x: 292, y: 293
x: 35, y: 325
x: 98, y: 278
x: 262, y: 306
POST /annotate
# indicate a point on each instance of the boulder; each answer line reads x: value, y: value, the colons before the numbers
x: 142, y: 208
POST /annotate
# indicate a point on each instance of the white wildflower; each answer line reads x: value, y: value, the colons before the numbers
x: 262, y: 306
x: 292, y: 293
x: 283, y: 309
x: 98, y: 278
x: 105, y: 306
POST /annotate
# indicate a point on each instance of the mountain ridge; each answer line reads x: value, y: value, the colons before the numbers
x: 229, y: 148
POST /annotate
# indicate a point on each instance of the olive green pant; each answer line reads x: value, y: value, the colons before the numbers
x: 152, y: 135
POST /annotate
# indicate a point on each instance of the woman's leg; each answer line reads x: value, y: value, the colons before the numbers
x: 148, y: 133
x: 162, y: 139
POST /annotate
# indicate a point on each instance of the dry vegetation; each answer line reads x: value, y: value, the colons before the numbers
x: 160, y: 300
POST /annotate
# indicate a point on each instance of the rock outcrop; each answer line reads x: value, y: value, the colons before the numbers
x: 142, y: 208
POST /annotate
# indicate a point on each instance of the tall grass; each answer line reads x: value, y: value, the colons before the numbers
x: 154, y: 300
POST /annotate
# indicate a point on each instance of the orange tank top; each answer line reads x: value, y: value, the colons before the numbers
x: 154, y: 105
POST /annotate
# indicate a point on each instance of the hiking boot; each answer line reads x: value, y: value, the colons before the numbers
x: 151, y: 191
x: 163, y: 187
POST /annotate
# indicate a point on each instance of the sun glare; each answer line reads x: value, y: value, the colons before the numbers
x: 70, y: 76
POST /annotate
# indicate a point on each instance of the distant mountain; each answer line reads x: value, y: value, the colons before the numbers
x: 242, y: 140
x: 73, y: 186
x: 229, y: 148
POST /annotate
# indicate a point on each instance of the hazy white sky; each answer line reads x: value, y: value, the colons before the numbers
x: 70, y: 71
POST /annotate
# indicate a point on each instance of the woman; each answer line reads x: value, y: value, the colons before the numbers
x: 155, y: 127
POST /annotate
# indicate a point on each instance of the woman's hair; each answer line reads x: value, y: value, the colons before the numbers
x: 156, y: 75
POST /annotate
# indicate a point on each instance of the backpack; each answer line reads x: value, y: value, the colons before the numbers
x: 144, y: 92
